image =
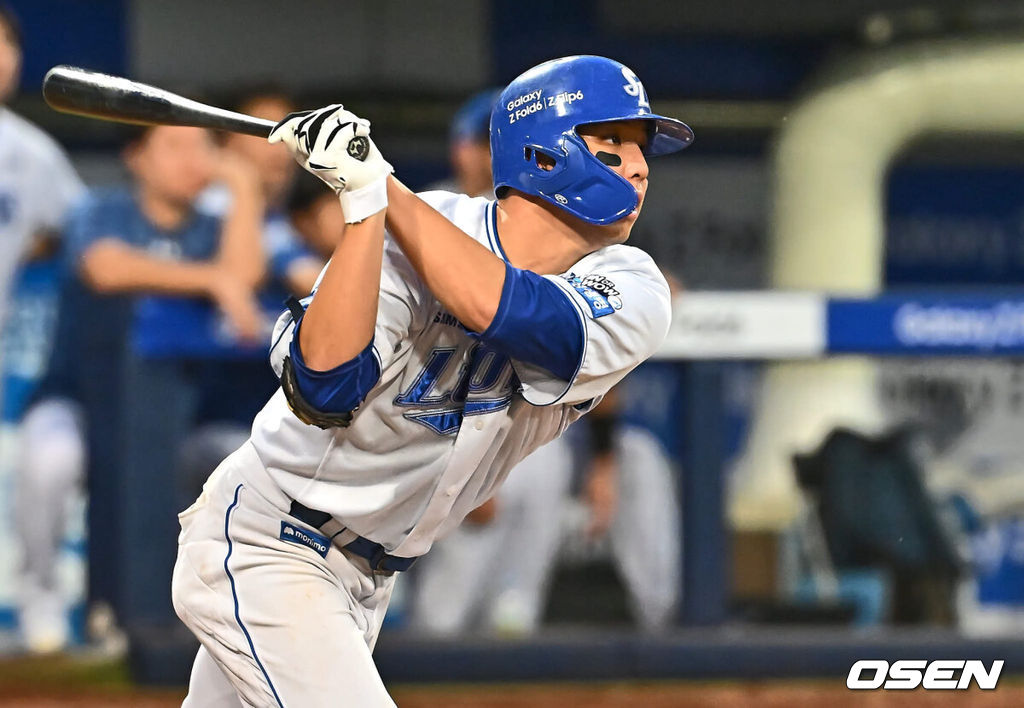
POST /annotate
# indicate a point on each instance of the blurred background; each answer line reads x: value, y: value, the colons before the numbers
x: 752, y: 510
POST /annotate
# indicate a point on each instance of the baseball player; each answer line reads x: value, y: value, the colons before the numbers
x: 430, y: 359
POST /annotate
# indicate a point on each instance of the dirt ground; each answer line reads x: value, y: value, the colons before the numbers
x: 690, y: 695
x: 672, y: 695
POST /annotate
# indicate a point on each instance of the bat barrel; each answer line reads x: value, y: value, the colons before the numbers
x: 70, y: 89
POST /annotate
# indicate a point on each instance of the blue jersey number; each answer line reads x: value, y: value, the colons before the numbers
x: 483, y: 386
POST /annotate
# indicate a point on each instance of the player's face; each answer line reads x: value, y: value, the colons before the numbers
x: 10, y: 61
x: 174, y: 163
x: 627, y: 141
x: 273, y: 163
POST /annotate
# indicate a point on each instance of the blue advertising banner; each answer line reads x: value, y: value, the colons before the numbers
x: 955, y: 226
x: 930, y: 325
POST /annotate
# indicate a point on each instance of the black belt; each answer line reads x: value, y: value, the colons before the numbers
x: 378, y: 556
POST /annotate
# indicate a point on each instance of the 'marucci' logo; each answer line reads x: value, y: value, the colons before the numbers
x: 1001, y: 325
x: 908, y: 674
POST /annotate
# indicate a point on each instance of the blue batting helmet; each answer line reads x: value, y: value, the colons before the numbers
x: 540, y: 111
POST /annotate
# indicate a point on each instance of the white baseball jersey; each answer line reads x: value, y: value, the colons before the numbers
x: 451, y: 416
x: 37, y: 187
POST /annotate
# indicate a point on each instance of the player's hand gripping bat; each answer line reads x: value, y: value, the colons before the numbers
x: 70, y: 89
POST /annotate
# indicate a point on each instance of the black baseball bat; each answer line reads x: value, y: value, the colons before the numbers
x: 70, y: 89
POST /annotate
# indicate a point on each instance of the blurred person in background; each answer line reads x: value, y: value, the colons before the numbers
x: 316, y: 216
x: 631, y: 489
x: 288, y: 262
x: 120, y: 245
x: 469, y: 147
x: 272, y: 163
x: 38, y: 185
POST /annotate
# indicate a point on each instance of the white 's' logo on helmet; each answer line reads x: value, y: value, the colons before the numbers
x: 634, y: 88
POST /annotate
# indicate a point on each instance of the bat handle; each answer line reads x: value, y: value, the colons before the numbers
x: 248, y: 125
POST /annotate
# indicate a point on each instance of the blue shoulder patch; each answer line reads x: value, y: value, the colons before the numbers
x: 600, y: 303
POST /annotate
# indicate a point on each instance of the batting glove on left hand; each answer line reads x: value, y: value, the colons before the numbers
x: 335, y: 145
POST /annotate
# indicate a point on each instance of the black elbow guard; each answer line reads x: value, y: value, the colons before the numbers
x: 301, y: 407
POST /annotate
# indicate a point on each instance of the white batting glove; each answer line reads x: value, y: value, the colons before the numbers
x: 334, y: 144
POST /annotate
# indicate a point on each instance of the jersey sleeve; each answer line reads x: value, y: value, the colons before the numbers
x: 625, y: 310
x: 401, y: 309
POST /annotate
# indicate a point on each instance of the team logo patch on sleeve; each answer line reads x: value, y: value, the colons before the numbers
x: 598, y: 291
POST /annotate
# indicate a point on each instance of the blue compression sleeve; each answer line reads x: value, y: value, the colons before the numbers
x: 537, y: 323
x: 340, y: 389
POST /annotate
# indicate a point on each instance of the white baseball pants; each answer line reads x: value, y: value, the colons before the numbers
x: 285, y: 626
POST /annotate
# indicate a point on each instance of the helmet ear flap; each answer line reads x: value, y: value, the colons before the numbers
x: 586, y: 188
x: 576, y: 181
